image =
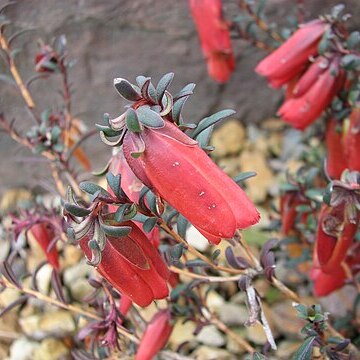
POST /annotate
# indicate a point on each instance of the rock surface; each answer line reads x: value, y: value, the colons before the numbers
x: 110, y: 39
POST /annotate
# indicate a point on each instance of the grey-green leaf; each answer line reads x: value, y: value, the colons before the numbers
x: 149, y: 224
x: 76, y: 210
x: 114, y: 183
x: 244, y: 176
x: 150, y: 118
x: 163, y: 84
x: 126, y: 90
x: 182, y: 224
x: 92, y: 188
x: 116, y: 231
x: 211, y: 120
x: 304, y: 352
x: 132, y: 121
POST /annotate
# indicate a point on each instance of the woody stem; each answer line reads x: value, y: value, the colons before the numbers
x: 62, y: 305
x: 212, y: 279
x: 197, y: 253
x: 259, y: 22
x: 15, y: 73
x: 230, y: 333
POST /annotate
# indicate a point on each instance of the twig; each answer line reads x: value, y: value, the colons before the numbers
x: 60, y: 304
x: 212, y: 279
x: 197, y: 253
x: 285, y: 290
x: 15, y: 73
x: 248, y: 252
x: 79, y: 142
x: 260, y: 22
x: 221, y: 326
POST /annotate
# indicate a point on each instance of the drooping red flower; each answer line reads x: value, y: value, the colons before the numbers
x: 132, y: 265
x: 46, y: 60
x: 44, y: 235
x: 293, y: 55
x: 352, y: 141
x: 336, y: 161
x: 288, y: 204
x: 132, y: 187
x: 214, y: 38
x: 326, y: 283
x: 125, y: 304
x: 313, y: 93
x: 335, y: 234
x: 177, y: 169
x: 155, y: 336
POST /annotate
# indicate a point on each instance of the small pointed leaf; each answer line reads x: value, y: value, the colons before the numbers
x: 76, y: 210
x: 244, y: 176
x: 304, y: 352
x: 132, y: 121
x: 114, y: 182
x: 211, y: 120
x: 163, y: 84
x: 182, y: 225
x: 149, y: 224
x: 150, y: 118
x: 116, y: 231
x: 126, y: 90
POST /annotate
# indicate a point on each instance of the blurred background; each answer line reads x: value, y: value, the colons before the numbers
x: 126, y: 38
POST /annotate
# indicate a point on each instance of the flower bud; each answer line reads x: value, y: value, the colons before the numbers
x: 44, y: 235
x: 155, y: 336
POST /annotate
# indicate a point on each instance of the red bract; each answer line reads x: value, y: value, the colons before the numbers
x: 214, y: 38
x: 314, y: 93
x: 336, y: 161
x: 177, y: 169
x: 132, y: 187
x: 155, y: 336
x: 293, y: 55
x: 335, y: 234
x: 132, y: 265
x: 44, y: 235
x: 352, y: 141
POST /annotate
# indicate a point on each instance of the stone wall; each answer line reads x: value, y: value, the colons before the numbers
x: 125, y: 38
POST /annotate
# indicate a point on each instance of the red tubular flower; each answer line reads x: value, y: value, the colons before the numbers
x: 336, y: 161
x: 288, y: 203
x: 214, y: 38
x: 46, y: 60
x: 352, y: 141
x: 132, y: 187
x: 335, y: 234
x: 125, y: 304
x: 177, y: 169
x: 132, y: 265
x: 293, y: 55
x: 314, y: 93
x: 44, y: 235
x: 326, y: 283
x: 155, y: 336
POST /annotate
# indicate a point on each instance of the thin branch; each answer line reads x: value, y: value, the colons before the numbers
x: 260, y: 22
x: 197, y: 253
x: 15, y: 73
x: 212, y: 279
x: 230, y: 333
x: 79, y: 142
x: 68, y: 307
